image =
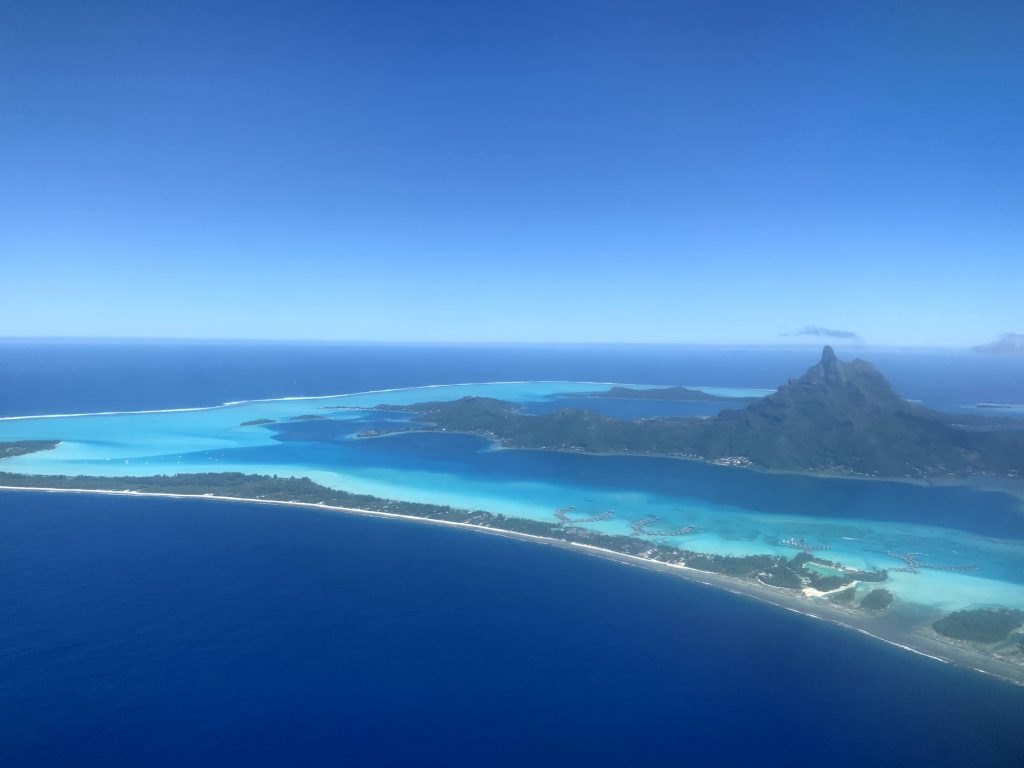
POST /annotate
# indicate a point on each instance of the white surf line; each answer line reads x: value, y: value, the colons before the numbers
x: 235, y: 403
x: 690, y: 574
x: 764, y: 599
x: 283, y: 502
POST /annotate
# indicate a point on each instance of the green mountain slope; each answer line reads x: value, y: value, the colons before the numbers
x: 839, y: 416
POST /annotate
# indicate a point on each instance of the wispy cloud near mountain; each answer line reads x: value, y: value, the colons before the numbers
x: 1010, y: 344
x: 828, y: 333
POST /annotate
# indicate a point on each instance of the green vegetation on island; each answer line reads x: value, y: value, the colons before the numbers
x: 21, y: 447
x: 837, y: 575
x: 767, y: 569
x: 844, y: 596
x: 838, y: 417
x: 981, y: 625
x: 790, y: 574
x: 877, y: 600
x: 256, y: 422
x: 679, y: 394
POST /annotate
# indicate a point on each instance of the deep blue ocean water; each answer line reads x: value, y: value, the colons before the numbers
x: 179, y: 632
x: 151, y: 631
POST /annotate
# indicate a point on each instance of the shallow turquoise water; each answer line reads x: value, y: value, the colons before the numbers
x: 735, y: 511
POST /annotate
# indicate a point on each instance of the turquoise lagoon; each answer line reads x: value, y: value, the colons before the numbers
x: 735, y: 511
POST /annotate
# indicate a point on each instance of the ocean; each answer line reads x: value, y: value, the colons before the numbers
x: 76, y: 377
x: 168, y: 632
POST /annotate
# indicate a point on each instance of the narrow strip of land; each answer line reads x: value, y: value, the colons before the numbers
x: 902, y: 636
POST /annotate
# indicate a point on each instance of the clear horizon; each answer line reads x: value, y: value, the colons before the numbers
x: 481, y: 173
x: 811, y: 344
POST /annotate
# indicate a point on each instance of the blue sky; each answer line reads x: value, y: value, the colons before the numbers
x: 718, y: 172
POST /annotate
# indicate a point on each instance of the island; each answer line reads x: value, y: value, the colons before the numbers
x: 675, y: 394
x: 21, y: 447
x: 877, y: 600
x: 839, y: 418
x: 256, y: 422
x: 982, y: 625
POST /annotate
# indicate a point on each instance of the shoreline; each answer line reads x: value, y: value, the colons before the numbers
x: 937, y: 650
x: 983, y: 483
